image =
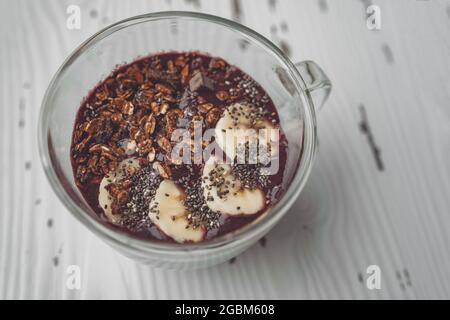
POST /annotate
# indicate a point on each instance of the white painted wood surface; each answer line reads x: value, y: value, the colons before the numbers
x: 350, y: 215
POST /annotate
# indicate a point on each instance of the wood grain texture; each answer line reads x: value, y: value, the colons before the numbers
x: 350, y: 214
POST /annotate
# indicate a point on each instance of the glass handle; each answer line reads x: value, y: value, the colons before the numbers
x: 317, y: 83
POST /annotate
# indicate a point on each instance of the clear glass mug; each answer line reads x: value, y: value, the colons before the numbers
x: 297, y: 90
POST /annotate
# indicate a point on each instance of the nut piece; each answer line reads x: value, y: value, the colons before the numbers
x: 99, y: 148
x: 180, y: 61
x: 185, y: 74
x: 145, y: 146
x: 213, y: 116
x: 155, y: 108
x: 92, y: 162
x: 135, y: 133
x: 170, y: 66
x: 222, y: 95
x: 162, y: 169
x: 150, y: 124
x: 217, y: 63
x: 101, y: 95
x: 171, y: 118
x: 201, y: 100
x: 163, y: 88
x: 128, y: 108
x: 163, y: 108
x: 116, y: 117
x: 164, y: 144
x: 199, y: 81
x: 93, y: 125
x: 204, y: 108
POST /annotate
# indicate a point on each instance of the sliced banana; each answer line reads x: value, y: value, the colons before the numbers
x: 104, y: 198
x: 224, y: 193
x: 169, y: 214
x: 234, y: 128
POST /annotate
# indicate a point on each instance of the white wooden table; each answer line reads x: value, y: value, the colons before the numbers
x: 350, y: 215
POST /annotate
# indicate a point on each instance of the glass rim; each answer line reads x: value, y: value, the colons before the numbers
x: 274, y: 214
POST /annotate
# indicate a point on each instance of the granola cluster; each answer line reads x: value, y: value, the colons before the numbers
x: 136, y: 110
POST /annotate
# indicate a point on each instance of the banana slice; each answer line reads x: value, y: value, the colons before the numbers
x: 104, y: 198
x: 224, y: 193
x: 168, y: 213
x: 233, y: 129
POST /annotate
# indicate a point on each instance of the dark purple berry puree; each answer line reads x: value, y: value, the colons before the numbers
x: 123, y: 148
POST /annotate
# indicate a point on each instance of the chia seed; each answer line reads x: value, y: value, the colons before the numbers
x: 144, y: 184
x: 199, y: 212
